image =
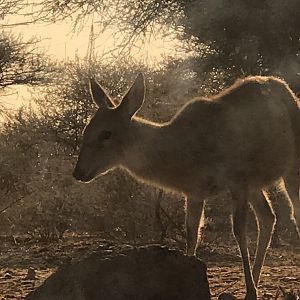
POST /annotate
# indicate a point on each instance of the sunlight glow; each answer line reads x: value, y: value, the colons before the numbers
x: 62, y: 43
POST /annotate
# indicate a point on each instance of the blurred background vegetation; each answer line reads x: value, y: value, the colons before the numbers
x: 217, y: 42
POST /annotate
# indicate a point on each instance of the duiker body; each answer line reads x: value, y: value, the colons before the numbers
x: 243, y: 140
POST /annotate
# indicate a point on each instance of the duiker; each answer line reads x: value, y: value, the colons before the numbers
x: 244, y: 140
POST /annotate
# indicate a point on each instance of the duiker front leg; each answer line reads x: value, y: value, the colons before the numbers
x: 193, y: 214
x: 265, y: 218
x: 240, y: 206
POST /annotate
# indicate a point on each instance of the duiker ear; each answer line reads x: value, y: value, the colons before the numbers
x: 99, y: 95
x: 134, y: 98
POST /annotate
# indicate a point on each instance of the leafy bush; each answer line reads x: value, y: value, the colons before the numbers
x: 38, y: 154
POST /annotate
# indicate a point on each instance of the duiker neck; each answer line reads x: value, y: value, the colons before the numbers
x: 147, y: 140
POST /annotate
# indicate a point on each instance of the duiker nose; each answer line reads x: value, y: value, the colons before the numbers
x: 78, y: 173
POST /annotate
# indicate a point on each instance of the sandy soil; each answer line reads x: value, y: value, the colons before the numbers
x: 24, y: 266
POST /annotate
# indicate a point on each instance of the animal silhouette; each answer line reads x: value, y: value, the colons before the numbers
x: 243, y: 140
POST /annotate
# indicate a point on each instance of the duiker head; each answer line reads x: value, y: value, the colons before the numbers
x: 107, y: 135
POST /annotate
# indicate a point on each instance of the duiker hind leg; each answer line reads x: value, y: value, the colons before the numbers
x: 291, y: 181
x: 193, y: 213
x: 265, y: 218
x: 240, y: 206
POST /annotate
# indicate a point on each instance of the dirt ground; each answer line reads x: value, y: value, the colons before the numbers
x: 25, y: 265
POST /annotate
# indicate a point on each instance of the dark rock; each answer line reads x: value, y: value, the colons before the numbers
x: 146, y: 273
x: 8, y: 276
x: 226, y: 296
x: 31, y: 274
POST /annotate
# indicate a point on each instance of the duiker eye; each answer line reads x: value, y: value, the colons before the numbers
x: 104, y: 135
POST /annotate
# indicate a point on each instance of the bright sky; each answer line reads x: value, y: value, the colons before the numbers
x: 62, y: 42
x: 59, y: 41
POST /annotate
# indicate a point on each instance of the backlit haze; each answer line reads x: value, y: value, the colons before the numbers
x: 61, y: 43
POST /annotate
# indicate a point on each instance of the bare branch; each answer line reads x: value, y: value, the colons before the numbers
x: 21, y: 62
x: 9, y: 7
